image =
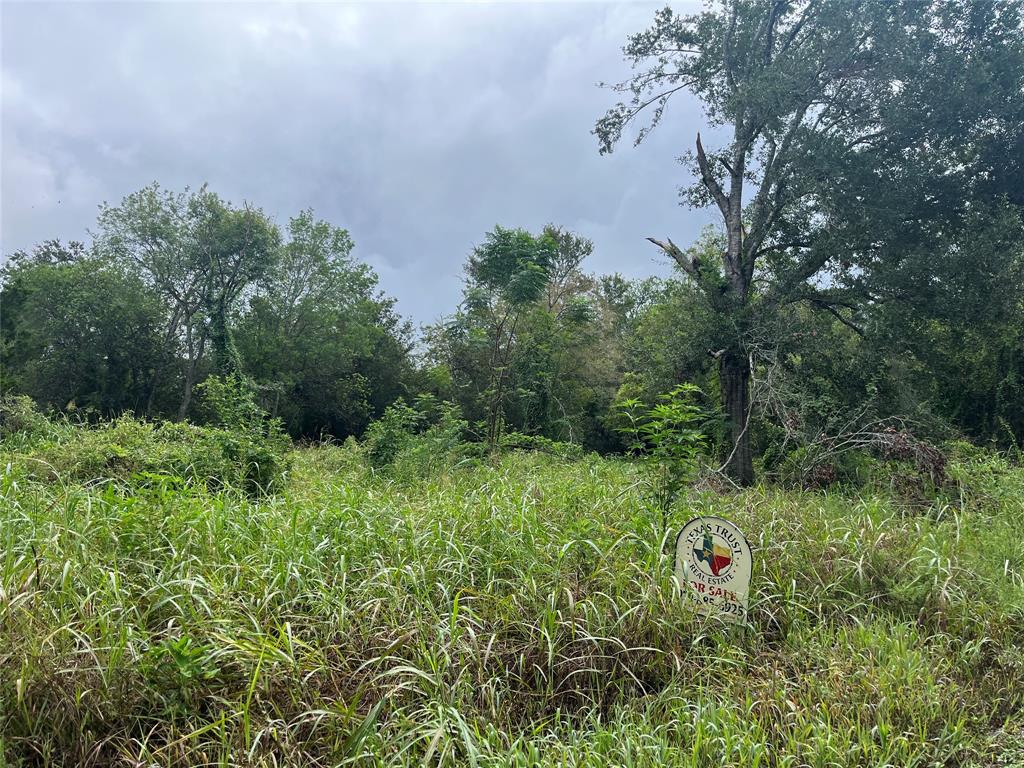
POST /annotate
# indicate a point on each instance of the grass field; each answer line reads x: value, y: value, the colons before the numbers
x: 510, y: 613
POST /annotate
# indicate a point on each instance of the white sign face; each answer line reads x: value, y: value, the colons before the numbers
x: 713, y: 565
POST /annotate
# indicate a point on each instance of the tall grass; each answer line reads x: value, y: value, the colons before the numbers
x: 513, y: 613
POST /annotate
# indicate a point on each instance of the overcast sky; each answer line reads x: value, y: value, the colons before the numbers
x: 416, y: 127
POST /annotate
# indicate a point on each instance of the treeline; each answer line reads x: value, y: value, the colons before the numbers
x: 176, y: 287
x: 866, y: 278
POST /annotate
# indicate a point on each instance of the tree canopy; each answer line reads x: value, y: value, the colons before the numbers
x: 862, y: 159
x: 859, y: 133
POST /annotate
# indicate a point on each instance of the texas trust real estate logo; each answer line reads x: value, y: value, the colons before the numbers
x: 713, y: 566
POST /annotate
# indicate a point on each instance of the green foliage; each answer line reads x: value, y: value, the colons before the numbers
x: 178, y: 286
x: 826, y: 193
x: 228, y: 402
x: 440, y: 441
x: 78, y: 333
x: 546, y: 367
x: 668, y: 439
x: 389, y: 435
x: 951, y: 343
x: 804, y: 467
x: 327, y: 350
x: 514, y: 612
x: 131, y: 453
x: 257, y: 442
x: 19, y: 418
x: 670, y: 331
x: 420, y: 439
x: 505, y: 277
x: 198, y: 254
x: 513, y: 264
x: 191, y: 664
x: 520, y: 442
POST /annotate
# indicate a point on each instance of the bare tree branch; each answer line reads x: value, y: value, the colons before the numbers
x: 673, y: 250
x: 835, y: 313
x: 710, y: 181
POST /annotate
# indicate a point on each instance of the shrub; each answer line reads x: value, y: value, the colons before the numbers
x: 416, y: 440
x: 19, y: 417
x: 667, y: 439
x: 229, y: 401
x: 139, y: 453
x: 253, y: 441
x: 881, y: 455
x: 390, y: 434
x: 242, y: 449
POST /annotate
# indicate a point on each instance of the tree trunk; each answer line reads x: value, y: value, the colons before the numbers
x: 734, y: 374
x: 497, y: 406
x: 191, y: 367
x: 186, y: 395
x: 168, y: 350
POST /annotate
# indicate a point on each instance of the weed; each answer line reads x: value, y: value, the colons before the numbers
x: 513, y: 612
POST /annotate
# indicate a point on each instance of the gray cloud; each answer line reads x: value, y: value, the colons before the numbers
x: 417, y: 127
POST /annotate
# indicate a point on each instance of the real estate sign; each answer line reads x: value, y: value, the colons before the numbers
x: 713, y: 565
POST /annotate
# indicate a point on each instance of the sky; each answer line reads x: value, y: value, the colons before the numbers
x: 417, y: 127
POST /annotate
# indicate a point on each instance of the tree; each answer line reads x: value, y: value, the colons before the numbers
x: 197, y: 253
x: 506, y: 275
x: 325, y: 347
x: 957, y: 323
x: 77, y: 332
x: 557, y: 371
x: 854, y: 124
x: 545, y: 364
x: 240, y: 246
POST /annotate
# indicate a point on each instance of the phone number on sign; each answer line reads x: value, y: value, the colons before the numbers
x: 721, y: 604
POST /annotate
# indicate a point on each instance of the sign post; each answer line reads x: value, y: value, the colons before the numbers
x: 713, y: 566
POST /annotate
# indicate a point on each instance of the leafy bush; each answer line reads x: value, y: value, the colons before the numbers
x: 229, y: 401
x: 415, y: 440
x: 241, y: 449
x: 390, y: 434
x: 19, y: 416
x: 667, y: 439
x: 139, y: 453
x: 442, y: 439
x: 256, y: 442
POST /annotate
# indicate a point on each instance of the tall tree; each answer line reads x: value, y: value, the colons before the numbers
x: 852, y: 125
x: 506, y: 275
x: 199, y: 254
x: 239, y: 246
x: 545, y: 362
x: 327, y: 349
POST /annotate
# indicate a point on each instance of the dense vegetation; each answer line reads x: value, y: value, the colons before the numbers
x: 250, y: 516
x: 867, y: 268
x: 443, y: 608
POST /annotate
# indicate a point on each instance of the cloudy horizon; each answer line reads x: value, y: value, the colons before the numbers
x: 416, y: 127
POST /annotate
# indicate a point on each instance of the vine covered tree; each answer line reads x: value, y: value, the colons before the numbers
x: 198, y: 254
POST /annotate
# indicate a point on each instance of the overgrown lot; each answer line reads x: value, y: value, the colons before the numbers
x: 516, y: 611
